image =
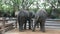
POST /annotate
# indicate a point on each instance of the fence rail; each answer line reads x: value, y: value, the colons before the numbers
x: 50, y: 23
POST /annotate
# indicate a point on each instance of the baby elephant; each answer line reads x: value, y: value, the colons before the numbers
x: 40, y: 18
x: 22, y: 16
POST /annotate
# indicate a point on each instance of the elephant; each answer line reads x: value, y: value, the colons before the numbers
x: 23, y: 17
x: 29, y: 19
x: 40, y: 18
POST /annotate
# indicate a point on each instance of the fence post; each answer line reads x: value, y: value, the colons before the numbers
x: 3, y: 25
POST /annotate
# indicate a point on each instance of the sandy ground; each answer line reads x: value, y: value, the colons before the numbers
x: 48, y: 31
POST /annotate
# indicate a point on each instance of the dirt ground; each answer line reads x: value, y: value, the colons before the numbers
x: 48, y: 31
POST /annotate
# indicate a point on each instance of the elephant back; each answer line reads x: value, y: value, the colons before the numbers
x: 41, y: 13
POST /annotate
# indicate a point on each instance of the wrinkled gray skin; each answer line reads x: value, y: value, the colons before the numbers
x: 23, y: 17
x: 40, y: 18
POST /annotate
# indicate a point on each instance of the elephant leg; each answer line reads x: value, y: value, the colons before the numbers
x: 42, y: 25
x: 25, y: 25
x: 34, y: 26
x: 21, y: 26
x: 29, y: 24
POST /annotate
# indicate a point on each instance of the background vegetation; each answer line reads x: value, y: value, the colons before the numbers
x: 9, y: 7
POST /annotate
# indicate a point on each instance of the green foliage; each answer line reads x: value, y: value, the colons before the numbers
x: 15, y: 5
x: 58, y: 10
x: 48, y: 10
x: 59, y: 1
x: 35, y: 10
